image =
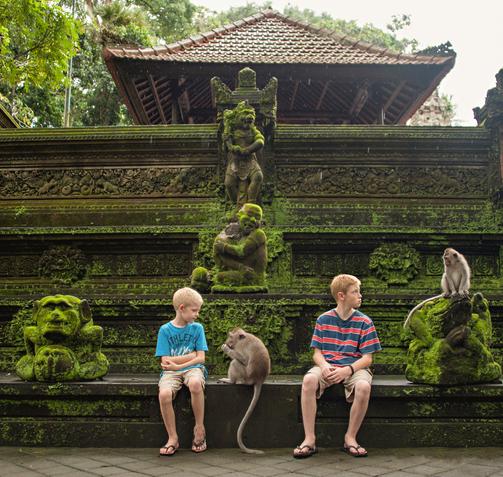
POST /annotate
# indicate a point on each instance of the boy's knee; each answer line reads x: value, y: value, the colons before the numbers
x: 310, y: 383
x: 165, y: 395
x: 362, y: 390
x: 195, y: 386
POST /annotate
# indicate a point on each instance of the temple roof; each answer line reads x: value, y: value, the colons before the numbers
x: 6, y: 119
x: 335, y: 67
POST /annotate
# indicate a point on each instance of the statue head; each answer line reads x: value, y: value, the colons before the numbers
x: 249, y: 216
x: 242, y: 116
x: 60, y: 316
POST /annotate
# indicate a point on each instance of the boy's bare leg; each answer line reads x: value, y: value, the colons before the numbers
x: 356, y: 415
x: 197, y: 401
x: 168, y: 417
x: 309, y: 406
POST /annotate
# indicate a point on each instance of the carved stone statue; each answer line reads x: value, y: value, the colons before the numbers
x: 64, y: 345
x: 242, y: 139
x: 240, y: 253
x: 450, y: 343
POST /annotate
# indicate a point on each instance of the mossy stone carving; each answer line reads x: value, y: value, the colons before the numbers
x: 242, y: 140
x: 450, y: 344
x: 240, y: 253
x: 64, y: 345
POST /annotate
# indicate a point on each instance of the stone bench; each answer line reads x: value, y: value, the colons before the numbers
x: 122, y: 411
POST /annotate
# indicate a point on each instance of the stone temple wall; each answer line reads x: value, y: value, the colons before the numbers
x: 120, y: 216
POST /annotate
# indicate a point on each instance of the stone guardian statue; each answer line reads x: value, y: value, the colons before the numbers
x: 242, y: 139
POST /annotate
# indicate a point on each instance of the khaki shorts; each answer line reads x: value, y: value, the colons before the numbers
x: 175, y: 379
x: 349, y: 382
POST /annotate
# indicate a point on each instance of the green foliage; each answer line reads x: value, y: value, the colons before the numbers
x: 37, y: 40
x: 170, y: 20
x: 95, y: 99
x: 122, y: 23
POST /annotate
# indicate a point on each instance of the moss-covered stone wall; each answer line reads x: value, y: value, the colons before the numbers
x: 120, y: 216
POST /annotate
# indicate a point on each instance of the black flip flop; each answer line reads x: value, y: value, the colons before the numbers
x: 311, y: 450
x: 347, y: 450
x: 175, y: 448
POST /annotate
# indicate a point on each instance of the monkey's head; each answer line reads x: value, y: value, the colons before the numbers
x: 236, y: 336
x: 450, y: 257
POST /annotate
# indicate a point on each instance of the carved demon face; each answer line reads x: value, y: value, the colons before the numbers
x: 58, y: 317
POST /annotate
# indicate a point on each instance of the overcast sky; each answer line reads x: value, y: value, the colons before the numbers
x: 474, y: 28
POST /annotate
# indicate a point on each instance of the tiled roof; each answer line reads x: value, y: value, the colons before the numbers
x: 271, y: 38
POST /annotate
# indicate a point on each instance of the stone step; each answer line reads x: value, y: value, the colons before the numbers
x: 123, y: 411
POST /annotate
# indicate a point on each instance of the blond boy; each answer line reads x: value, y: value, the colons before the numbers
x: 343, y: 342
x: 181, y: 345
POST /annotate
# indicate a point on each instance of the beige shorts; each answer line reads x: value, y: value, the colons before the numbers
x: 175, y: 379
x: 349, y: 382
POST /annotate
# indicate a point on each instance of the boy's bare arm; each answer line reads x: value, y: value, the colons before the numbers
x: 326, y: 369
x: 183, y: 358
x: 170, y: 365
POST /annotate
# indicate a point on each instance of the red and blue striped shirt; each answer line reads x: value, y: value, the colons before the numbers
x: 343, y: 342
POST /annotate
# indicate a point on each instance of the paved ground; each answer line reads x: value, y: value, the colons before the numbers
x: 74, y: 462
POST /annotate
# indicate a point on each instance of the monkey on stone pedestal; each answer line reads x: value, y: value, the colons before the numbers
x: 455, y: 279
x: 250, y: 365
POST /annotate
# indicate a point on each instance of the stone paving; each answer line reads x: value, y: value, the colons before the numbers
x: 74, y: 462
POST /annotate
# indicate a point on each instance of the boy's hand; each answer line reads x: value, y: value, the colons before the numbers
x: 335, y: 374
x: 168, y: 365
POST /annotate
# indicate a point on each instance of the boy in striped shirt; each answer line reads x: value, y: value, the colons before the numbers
x: 343, y: 342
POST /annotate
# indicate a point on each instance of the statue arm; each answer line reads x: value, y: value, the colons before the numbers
x: 30, y: 336
x: 254, y: 146
x: 255, y: 240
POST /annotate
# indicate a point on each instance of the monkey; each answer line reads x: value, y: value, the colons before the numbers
x: 250, y: 365
x: 455, y: 279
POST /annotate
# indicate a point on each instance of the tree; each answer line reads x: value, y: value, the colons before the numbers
x: 37, y: 38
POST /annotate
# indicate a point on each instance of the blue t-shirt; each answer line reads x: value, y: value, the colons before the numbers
x: 175, y: 341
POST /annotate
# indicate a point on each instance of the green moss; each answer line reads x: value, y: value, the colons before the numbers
x: 450, y: 343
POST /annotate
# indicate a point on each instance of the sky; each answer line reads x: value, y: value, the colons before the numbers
x: 473, y: 28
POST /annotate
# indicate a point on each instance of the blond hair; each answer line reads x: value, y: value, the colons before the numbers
x: 341, y: 283
x: 186, y: 296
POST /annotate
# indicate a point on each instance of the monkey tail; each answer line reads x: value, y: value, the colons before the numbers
x: 256, y: 394
x: 420, y: 305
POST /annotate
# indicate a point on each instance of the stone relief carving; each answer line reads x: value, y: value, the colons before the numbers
x: 442, y: 181
x: 107, y: 182
x: 63, y: 264
x: 395, y: 263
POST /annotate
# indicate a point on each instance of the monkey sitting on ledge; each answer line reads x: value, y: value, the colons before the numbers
x: 250, y: 365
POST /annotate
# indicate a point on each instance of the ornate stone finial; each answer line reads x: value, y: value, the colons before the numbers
x: 63, y: 344
x: 264, y: 101
x: 247, y: 79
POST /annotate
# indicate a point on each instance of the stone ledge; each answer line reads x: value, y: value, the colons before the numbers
x: 123, y: 411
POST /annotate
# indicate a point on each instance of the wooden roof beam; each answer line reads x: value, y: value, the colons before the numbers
x: 294, y: 94
x: 322, y: 95
x: 361, y: 97
x: 157, y: 100
x: 393, y: 96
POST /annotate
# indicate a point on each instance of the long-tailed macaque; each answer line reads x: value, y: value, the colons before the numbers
x: 455, y: 279
x: 250, y: 365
